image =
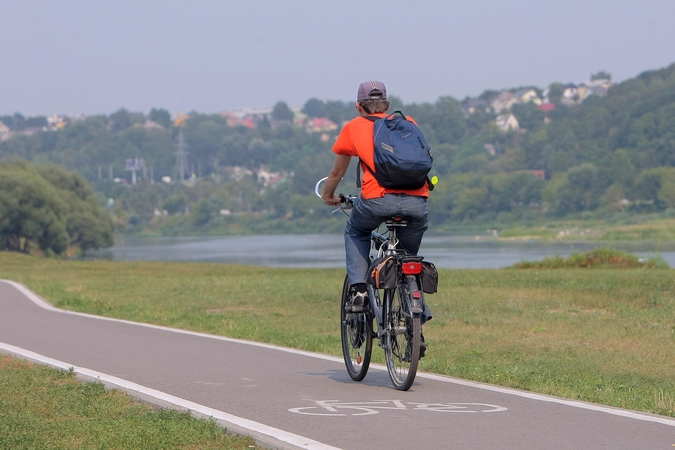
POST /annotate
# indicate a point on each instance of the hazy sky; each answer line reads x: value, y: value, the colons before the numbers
x: 85, y: 56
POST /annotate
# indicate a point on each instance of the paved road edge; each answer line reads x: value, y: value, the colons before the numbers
x: 643, y: 416
x: 263, y: 435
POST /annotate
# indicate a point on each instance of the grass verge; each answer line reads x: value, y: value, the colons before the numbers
x: 45, y: 408
x: 597, y: 258
x: 600, y: 335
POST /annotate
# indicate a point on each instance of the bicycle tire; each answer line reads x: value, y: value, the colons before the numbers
x: 403, y: 332
x: 357, y: 339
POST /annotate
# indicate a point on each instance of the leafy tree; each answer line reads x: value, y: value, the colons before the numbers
x: 87, y: 225
x: 488, y: 94
x: 314, y: 108
x: 396, y: 104
x: 648, y: 184
x: 161, y: 116
x: 613, y: 197
x: 622, y: 168
x: 666, y: 193
x: 202, y: 213
x: 601, y: 75
x: 17, y: 122
x: 51, y: 208
x: 121, y: 120
x: 259, y: 151
x: 555, y: 92
x: 470, y: 203
x: 281, y: 111
x: 339, y: 112
x: 175, y: 204
x: 36, y: 121
x: 579, y: 190
x: 31, y: 212
x: 529, y: 116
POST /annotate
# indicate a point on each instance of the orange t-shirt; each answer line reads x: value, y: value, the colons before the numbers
x: 356, y: 139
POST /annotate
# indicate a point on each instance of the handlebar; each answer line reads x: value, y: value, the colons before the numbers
x: 346, y: 201
x: 316, y: 187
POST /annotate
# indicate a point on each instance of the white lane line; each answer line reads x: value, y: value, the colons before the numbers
x: 133, y: 388
x: 532, y: 396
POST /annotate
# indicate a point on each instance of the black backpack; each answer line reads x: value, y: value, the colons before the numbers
x: 402, y: 155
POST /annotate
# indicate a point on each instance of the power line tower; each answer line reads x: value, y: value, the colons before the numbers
x: 181, y: 157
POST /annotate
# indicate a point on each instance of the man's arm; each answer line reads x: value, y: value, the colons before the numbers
x: 334, y: 177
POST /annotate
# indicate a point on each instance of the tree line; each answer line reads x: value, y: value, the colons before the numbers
x: 609, y: 155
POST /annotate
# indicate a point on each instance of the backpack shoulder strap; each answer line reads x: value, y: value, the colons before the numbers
x: 358, y: 166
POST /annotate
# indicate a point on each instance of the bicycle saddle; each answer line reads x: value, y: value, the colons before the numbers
x: 397, y: 221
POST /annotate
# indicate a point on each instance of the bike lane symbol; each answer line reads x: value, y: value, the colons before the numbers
x: 335, y: 408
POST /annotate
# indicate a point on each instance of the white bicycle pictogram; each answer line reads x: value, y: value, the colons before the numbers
x: 335, y: 408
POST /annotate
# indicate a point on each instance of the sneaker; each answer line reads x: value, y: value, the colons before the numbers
x: 408, y: 351
x: 359, y: 301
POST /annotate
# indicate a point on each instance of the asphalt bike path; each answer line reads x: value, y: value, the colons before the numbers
x: 291, y: 399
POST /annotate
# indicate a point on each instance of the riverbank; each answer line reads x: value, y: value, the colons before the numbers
x: 608, y: 228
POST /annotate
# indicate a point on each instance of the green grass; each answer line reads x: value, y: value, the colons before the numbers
x: 45, y: 408
x: 602, y: 335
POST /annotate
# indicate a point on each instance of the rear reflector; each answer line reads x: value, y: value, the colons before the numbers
x: 412, y: 268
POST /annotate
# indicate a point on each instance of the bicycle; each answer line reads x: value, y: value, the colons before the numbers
x: 396, y: 310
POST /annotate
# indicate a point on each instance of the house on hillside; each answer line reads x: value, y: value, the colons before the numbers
x: 599, y: 87
x: 236, y: 173
x: 151, y: 125
x: 472, y: 105
x: 180, y: 120
x: 300, y: 119
x: 504, y: 101
x: 4, y: 131
x: 546, y: 107
x: 267, y: 178
x: 583, y: 92
x: 539, y: 174
x: 506, y: 122
x: 54, y: 119
x: 237, y: 120
x: 527, y: 96
x: 320, y: 125
x: 570, y: 94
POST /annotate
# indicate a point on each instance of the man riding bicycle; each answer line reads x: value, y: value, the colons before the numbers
x: 375, y: 204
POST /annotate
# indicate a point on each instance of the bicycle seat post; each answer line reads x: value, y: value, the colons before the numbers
x: 392, y: 224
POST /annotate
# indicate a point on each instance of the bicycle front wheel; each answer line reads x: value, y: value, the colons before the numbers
x: 402, y: 349
x: 357, y: 341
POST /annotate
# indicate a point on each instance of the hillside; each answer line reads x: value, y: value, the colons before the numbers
x: 519, y: 155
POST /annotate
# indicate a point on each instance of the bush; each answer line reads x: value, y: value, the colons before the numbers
x: 599, y: 258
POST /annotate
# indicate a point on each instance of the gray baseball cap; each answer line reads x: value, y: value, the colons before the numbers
x: 372, y: 90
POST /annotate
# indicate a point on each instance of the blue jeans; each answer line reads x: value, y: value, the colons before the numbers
x: 368, y: 214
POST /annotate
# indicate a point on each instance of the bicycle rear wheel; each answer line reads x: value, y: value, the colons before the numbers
x: 357, y: 341
x: 402, y: 349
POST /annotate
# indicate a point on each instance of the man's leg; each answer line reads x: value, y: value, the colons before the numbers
x: 410, y: 237
x: 362, y: 221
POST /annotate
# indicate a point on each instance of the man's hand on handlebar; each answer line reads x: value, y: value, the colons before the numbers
x: 333, y: 200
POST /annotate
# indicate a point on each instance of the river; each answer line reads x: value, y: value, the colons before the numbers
x: 302, y: 251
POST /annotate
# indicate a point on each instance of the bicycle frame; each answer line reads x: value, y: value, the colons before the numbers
x: 386, y: 245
